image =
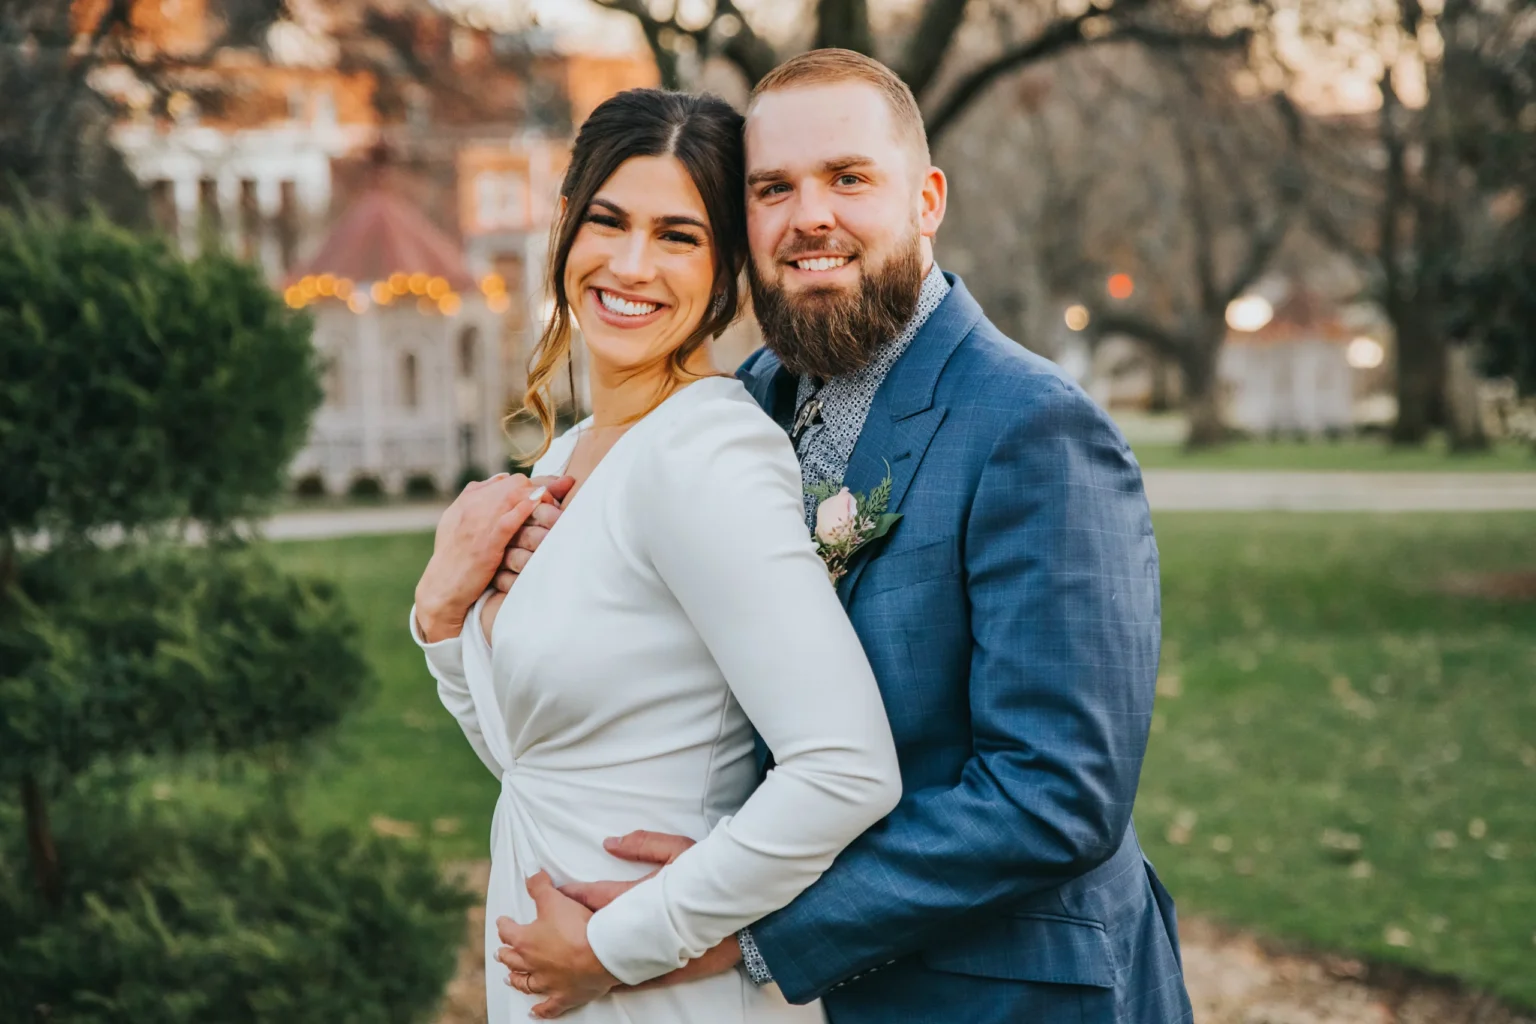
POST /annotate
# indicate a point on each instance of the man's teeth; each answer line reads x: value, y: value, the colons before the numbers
x: 823, y: 263
x: 624, y: 307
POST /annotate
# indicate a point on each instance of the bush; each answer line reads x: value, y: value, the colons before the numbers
x: 310, y: 485
x: 366, y: 487
x: 292, y: 927
x: 421, y: 485
x: 139, y: 391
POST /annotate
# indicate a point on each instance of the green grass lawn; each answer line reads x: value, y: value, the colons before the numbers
x: 1352, y: 454
x: 1342, y: 755
x: 403, y: 757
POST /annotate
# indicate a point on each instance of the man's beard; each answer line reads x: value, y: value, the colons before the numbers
x: 829, y: 332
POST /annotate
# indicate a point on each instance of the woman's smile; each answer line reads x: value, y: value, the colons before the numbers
x: 625, y: 310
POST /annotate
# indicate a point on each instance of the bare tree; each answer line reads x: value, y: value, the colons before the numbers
x: 1176, y: 182
x: 1412, y: 193
x: 53, y: 125
x: 1039, y: 31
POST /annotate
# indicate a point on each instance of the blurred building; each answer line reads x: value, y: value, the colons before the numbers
x: 1292, y: 374
x: 258, y: 139
x: 413, y: 379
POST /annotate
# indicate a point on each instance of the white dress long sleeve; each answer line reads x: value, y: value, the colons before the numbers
x: 678, y: 603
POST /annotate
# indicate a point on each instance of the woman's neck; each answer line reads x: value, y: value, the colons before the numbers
x: 620, y: 396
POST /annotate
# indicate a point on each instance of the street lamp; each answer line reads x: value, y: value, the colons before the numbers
x: 1365, y: 353
x: 1249, y: 313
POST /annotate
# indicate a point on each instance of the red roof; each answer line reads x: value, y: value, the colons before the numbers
x: 382, y: 234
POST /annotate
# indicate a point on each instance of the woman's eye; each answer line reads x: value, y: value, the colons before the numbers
x: 681, y: 237
x: 606, y: 220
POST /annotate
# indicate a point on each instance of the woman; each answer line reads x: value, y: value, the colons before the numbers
x: 677, y: 603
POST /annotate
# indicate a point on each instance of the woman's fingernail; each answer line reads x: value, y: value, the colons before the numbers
x: 537, y: 494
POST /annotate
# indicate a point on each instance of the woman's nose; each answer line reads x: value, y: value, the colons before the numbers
x: 631, y: 261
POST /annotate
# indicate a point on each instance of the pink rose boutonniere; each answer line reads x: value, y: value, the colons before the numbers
x: 846, y: 522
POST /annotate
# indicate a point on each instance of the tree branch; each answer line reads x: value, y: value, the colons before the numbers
x: 845, y: 24
x: 751, y: 54
x: 1057, y: 38
x: 1134, y: 325
x: 930, y: 43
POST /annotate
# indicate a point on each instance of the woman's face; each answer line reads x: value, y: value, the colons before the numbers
x: 641, y: 269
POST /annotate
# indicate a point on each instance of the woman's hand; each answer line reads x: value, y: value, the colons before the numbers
x: 471, y: 544
x: 551, y: 957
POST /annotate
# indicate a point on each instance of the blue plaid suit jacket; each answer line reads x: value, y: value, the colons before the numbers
x: 1013, y: 622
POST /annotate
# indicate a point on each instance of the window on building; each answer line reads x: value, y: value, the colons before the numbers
x: 162, y: 206
x: 288, y: 224
x: 210, y: 218
x: 335, y: 395
x: 410, y: 394
x: 250, y: 221
x: 469, y: 344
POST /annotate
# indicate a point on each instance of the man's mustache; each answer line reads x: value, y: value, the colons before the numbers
x: 806, y: 244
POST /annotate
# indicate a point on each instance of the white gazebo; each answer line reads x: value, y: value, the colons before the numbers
x: 410, y: 342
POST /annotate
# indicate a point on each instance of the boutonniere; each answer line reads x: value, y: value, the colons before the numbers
x: 846, y: 522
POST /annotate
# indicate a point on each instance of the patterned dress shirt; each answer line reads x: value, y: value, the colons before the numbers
x: 825, y: 448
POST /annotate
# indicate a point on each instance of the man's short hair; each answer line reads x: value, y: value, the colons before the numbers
x: 825, y: 66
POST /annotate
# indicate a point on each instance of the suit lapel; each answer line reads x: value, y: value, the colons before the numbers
x: 904, y: 415
x: 773, y: 387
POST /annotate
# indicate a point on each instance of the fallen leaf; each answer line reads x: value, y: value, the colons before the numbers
x: 393, y: 829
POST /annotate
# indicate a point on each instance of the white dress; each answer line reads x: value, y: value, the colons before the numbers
x: 678, y: 603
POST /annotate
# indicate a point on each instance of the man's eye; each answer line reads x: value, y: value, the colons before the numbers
x: 776, y: 189
x: 847, y: 179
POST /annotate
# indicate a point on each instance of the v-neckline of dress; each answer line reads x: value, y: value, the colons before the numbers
x: 597, y: 468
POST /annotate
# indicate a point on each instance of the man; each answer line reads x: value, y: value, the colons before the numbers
x: 1012, y: 617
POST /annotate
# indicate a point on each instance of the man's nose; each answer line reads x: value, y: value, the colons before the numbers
x: 632, y: 262
x: 813, y: 212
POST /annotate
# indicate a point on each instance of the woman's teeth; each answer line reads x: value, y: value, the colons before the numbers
x: 624, y: 307
x: 823, y: 263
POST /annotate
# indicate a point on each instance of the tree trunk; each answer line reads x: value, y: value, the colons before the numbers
x: 1421, y: 366
x: 1463, y: 404
x: 1202, y: 397
x: 45, y: 856
x: 1161, y: 397
x: 40, y: 845
x: 844, y: 23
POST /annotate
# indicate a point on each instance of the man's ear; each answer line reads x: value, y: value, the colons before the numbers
x: 933, y: 200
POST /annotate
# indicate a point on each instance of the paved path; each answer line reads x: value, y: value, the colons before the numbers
x: 353, y: 522
x: 1169, y: 490
x: 1182, y: 490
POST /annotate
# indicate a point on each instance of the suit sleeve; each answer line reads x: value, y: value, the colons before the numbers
x: 1061, y: 574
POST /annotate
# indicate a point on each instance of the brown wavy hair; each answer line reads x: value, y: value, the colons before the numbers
x: 705, y: 134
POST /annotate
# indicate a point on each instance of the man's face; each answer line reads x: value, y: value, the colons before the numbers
x: 836, y: 214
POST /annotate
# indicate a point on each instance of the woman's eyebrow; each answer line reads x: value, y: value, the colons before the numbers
x: 678, y: 218
x: 611, y: 206
x: 670, y: 220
